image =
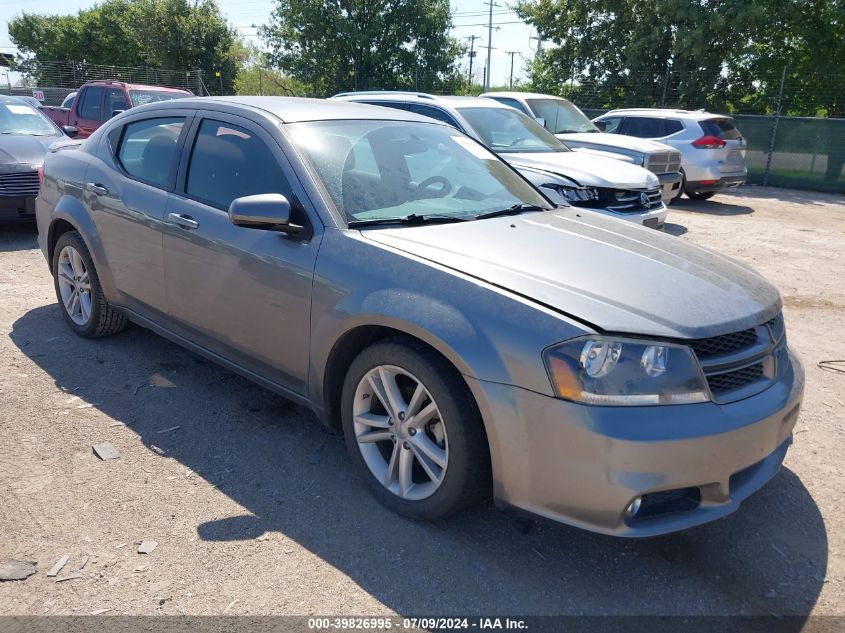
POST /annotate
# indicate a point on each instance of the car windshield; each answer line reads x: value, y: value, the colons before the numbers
x: 21, y: 118
x: 561, y: 117
x: 507, y: 130
x: 140, y: 97
x: 390, y: 170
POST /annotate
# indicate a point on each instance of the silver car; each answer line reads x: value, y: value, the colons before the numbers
x: 712, y: 149
x: 416, y: 292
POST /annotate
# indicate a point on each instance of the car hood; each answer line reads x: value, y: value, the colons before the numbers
x: 599, y: 139
x: 16, y: 149
x: 610, y: 274
x: 586, y: 169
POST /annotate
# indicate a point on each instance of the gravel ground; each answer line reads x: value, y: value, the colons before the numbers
x: 255, y: 509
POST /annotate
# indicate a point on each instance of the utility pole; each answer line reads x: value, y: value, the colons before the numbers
x: 511, y: 53
x: 539, y: 42
x: 489, y: 44
x: 472, y: 54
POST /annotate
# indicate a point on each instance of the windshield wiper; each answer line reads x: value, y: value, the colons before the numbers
x: 514, y: 210
x: 412, y: 219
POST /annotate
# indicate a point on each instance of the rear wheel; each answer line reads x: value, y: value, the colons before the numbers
x: 700, y: 195
x: 413, y: 431
x: 81, y: 299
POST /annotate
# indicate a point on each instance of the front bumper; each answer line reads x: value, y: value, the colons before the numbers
x: 670, y: 185
x: 654, y: 218
x: 14, y: 208
x: 584, y: 465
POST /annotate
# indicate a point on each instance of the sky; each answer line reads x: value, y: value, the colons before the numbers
x: 470, y: 18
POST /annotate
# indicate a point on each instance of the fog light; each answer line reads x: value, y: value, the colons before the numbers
x: 633, y: 508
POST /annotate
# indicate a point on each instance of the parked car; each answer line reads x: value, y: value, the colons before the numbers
x: 593, y: 182
x: 566, y: 121
x: 25, y: 136
x: 411, y: 288
x: 98, y: 101
x: 68, y: 100
x: 713, y: 150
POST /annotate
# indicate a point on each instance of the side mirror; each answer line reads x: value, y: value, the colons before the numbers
x: 70, y: 130
x: 601, y: 125
x: 114, y: 113
x: 540, y: 120
x: 268, y: 211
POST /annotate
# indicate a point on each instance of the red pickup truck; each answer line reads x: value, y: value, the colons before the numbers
x: 98, y: 101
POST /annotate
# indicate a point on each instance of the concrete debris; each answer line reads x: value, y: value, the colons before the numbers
x: 105, y: 451
x: 72, y: 576
x: 11, y: 569
x: 57, y: 567
x: 147, y: 547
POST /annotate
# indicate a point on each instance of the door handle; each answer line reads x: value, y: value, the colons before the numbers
x: 185, y: 221
x: 98, y: 189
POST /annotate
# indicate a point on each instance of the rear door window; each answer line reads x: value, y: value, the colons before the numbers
x: 149, y: 150
x: 673, y: 126
x: 228, y: 162
x: 89, y: 106
x: 512, y: 103
x: 644, y: 127
x: 433, y: 113
x: 720, y: 128
x: 611, y: 124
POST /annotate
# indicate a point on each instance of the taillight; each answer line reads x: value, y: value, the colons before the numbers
x: 709, y: 142
x: 41, y: 174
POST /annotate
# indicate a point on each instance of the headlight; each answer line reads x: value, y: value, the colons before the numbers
x: 576, y: 195
x: 618, y: 371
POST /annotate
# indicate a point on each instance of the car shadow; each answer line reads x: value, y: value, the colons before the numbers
x: 291, y: 476
x: 714, y: 206
x: 18, y: 236
x: 675, y: 229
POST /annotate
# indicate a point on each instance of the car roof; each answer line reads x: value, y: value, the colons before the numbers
x: 12, y: 99
x: 294, y: 109
x: 455, y: 101
x: 515, y: 94
x: 694, y: 115
x: 128, y: 86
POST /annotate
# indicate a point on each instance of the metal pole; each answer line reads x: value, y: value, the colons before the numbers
x: 489, y: 46
x: 511, y: 53
x: 774, y: 129
x: 221, y: 83
x: 472, y: 54
x: 665, y: 87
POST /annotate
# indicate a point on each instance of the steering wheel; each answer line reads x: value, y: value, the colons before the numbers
x: 444, y: 190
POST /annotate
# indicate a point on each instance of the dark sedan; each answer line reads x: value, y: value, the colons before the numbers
x: 25, y: 136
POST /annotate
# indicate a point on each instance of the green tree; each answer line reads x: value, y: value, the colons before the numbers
x: 721, y: 54
x: 336, y: 45
x: 179, y: 35
x: 255, y: 77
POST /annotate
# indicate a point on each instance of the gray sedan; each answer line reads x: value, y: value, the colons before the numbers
x: 416, y: 292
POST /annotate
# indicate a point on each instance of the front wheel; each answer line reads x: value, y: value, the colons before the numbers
x: 81, y: 299
x: 413, y: 431
x: 700, y: 195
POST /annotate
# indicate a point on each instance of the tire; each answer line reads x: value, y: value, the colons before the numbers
x: 700, y: 195
x: 456, y: 430
x: 92, y: 317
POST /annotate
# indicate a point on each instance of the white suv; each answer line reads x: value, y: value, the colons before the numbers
x: 712, y: 149
x: 587, y: 180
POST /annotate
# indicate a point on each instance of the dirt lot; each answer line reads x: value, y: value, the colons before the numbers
x: 255, y: 509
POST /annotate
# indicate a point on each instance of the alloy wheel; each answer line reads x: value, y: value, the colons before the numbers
x: 400, y: 432
x: 74, y: 285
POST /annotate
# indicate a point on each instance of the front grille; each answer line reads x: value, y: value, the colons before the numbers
x: 21, y: 183
x: 728, y: 381
x: 664, y: 162
x: 630, y: 201
x: 724, y: 344
x: 742, y: 363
